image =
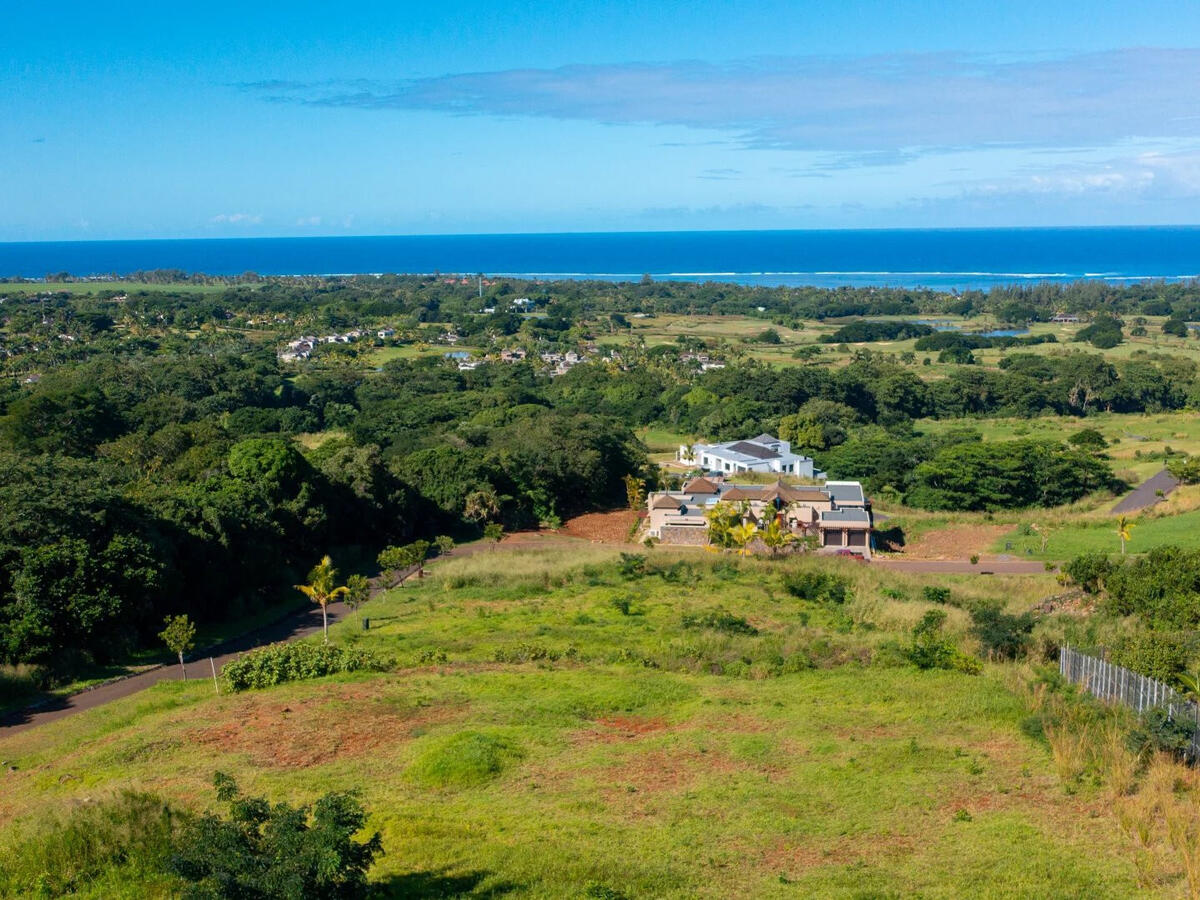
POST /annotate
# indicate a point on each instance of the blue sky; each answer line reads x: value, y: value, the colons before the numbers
x: 141, y: 120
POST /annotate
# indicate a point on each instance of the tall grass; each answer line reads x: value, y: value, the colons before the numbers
x: 128, y: 836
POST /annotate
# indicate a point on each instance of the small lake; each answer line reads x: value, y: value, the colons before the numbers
x: 941, y: 325
x: 1005, y: 332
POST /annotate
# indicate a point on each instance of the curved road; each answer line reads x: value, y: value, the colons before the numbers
x: 297, y: 625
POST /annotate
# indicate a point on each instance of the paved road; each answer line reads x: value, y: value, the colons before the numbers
x: 963, y: 566
x: 298, y: 625
x: 1146, y: 493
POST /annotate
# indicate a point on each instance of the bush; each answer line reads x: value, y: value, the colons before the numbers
x: 1001, y: 635
x: 1089, y: 570
x: 1157, y: 654
x: 719, y: 620
x: 1160, y: 587
x: 1157, y: 732
x: 524, y: 652
x: 818, y: 586
x: 464, y: 759
x: 934, y: 594
x: 633, y: 565
x: 277, y: 850
x: 279, y: 663
x: 930, y: 649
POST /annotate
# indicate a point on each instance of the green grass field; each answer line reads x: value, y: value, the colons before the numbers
x: 628, y: 762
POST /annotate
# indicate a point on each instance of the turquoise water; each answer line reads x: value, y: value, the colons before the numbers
x: 944, y: 259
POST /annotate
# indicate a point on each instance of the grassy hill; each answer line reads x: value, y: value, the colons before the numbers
x: 681, y: 726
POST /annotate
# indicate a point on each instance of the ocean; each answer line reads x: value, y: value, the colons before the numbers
x: 945, y: 259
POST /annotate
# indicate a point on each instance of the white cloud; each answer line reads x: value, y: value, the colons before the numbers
x: 877, y: 109
x: 308, y: 221
x: 236, y: 219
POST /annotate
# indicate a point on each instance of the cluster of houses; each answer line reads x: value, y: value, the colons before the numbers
x: 702, y: 360
x: 835, y: 515
x: 302, y: 347
x: 558, y: 363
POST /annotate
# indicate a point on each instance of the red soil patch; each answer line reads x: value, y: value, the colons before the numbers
x: 608, y: 527
x: 622, y: 728
x: 309, y: 732
x: 955, y: 541
x: 664, y: 770
x: 873, y: 848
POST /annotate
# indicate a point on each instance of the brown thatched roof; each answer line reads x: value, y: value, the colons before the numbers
x: 700, y: 486
x: 665, y: 501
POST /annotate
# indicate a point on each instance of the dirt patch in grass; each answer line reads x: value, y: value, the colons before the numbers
x: 614, y: 729
x: 788, y: 856
x: 297, y: 734
x: 955, y: 541
x: 670, y: 770
x: 609, y: 527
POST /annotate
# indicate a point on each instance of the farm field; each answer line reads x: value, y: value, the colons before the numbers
x: 739, y: 332
x: 555, y: 722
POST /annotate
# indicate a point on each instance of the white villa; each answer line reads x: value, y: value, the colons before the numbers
x: 760, y: 454
x: 837, y: 513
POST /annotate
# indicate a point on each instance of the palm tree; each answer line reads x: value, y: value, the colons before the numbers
x: 722, y: 518
x: 320, y: 589
x: 1124, y: 527
x: 742, y: 535
x: 776, y: 536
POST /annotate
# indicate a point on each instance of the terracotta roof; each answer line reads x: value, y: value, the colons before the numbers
x: 700, y: 486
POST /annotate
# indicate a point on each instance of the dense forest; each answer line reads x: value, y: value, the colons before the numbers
x: 157, y: 456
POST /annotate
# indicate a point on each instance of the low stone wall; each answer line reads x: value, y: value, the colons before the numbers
x: 683, y: 535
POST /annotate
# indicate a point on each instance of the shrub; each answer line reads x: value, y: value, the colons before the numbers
x: 1089, y: 570
x: 279, y: 663
x: 464, y: 759
x: 819, y: 586
x: 719, y: 620
x: 525, y: 652
x: 930, y: 649
x: 277, y: 850
x: 633, y: 565
x: 1160, y: 587
x: 1157, y: 654
x: 1001, y: 635
x: 1157, y: 732
x: 934, y: 594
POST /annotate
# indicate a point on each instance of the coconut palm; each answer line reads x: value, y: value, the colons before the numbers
x: 1124, y: 529
x: 321, y: 589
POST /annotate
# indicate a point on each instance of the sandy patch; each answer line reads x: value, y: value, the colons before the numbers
x: 955, y: 542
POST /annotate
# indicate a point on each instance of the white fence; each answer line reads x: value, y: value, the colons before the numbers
x: 1120, y: 685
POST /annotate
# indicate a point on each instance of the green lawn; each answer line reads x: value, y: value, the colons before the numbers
x: 1091, y: 535
x: 628, y: 762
